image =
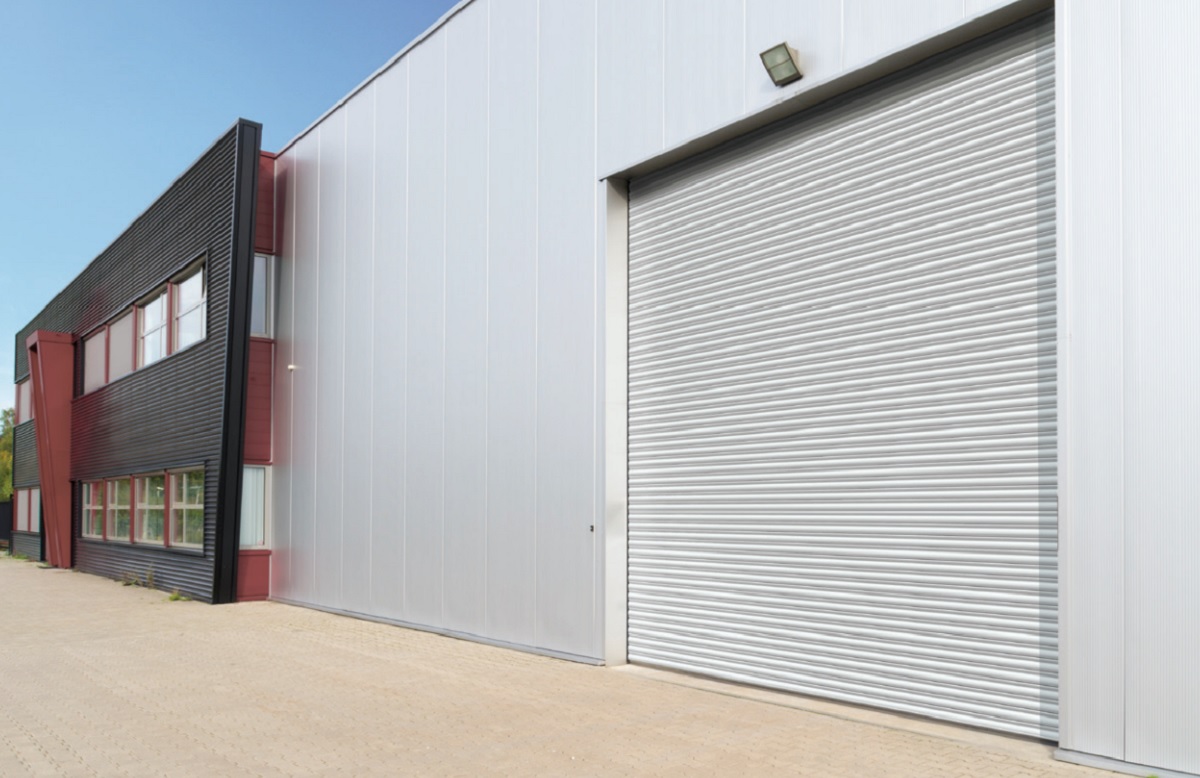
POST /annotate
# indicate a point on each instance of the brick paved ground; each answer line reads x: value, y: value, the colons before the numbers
x: 101, y: 679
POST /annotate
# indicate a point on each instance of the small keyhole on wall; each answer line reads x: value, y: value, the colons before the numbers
x: 591, y: 528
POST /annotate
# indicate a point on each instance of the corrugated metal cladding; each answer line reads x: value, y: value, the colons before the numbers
x: 842, y: 403
x: 27, y: 544
x: 25, y: 461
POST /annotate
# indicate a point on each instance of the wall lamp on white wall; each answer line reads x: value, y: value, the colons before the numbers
x: 781, y: 65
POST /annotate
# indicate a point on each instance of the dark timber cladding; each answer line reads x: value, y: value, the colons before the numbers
x: 175, y: 412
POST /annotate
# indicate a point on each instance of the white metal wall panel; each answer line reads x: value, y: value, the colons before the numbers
x: 512, y: 320
x: 355, y: 539
x: 466, y: 323
x: 703, y: 57
x: 389, y: 338
x: 842, y: 409
x: 565, y: 543
x: 1162, y: 319
x: 629, y: 80
x: 425, y: 305
x: 878, y: 26
x: 304, y: 255
x: 330, y: 356
x: 1091, y: 514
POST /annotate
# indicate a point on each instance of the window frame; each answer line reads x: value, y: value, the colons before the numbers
x: 24, y: 410
x: 101, y: 331
x: 266, y: 508
x: 21, y: 510
x: 172, y: 507
x: 163, y: 294
x: 111, y: 506
x: 197, y: 268
x: 35, y: 508
x: 268, y: 332
x: 140, y: 508
x: 87, y: 505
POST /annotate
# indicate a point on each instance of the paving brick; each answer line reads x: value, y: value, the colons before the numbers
x: 103, y: 679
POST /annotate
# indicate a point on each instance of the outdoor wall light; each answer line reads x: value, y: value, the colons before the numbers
x: 781, y: 65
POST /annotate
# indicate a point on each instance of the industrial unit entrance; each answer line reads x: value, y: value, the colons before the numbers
x: 842, y: 401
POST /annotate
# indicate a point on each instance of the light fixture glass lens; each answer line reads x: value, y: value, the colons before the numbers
x: 783, y: 71
x: 776, y: 56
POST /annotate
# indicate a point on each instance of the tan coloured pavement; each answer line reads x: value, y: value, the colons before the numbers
x: 103, y: 679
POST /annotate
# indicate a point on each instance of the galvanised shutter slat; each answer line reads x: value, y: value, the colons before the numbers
x: 842, y: 398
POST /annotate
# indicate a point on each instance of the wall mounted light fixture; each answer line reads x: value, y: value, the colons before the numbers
x: 781, y: 65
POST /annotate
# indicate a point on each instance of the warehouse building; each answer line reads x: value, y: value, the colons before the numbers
x: 599, y: 334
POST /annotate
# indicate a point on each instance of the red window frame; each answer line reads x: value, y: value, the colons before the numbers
x: 108, y: 506
x: 87, y: 505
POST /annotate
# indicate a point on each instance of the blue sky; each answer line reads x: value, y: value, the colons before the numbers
x: 104, y: 104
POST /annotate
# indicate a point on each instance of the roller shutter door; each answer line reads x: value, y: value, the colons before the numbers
x: 842, y: 423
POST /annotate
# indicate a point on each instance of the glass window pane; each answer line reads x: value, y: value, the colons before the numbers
x: 258, y: 303
x: 24, y: 401
x: 119, y: 492
x: 35, y: 510
x: 22, y: 510
x: 120, y: 524
x: 155, y: 492
x: 120, y: 347
x: 152, y: 314
x: 195, y: 489
x: 189, y: 292
x: 193, y: 527
x: 94, y: 352
x: 152, y: 525
x: 189, y: 328
x: 254, y: 497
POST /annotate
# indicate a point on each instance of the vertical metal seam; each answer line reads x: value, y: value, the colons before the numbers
x: 316, y: 364
x: 445, y: 303
x: 371, y: 351
x: 407, y: 260
x: 487, y: 306
x: 1125, y: 524
x: 341, y: 503
x: 597, y: 394
x: 537, y: 266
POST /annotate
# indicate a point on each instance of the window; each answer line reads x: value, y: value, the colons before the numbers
x: 24, y: 401
x: 189, y: 309
x: 152, y: 329
x: 254, y: 507
x: 35, y: 510
x: 93, y: 509
x: 120, y: 347
x: 261, y: 297
x: 187, y: 508
x: 150, y: 493
x: 117, y: 512
x: 22, y: 498
x: 95, y: 360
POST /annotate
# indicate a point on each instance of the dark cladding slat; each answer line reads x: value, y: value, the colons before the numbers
x: 25, y: 461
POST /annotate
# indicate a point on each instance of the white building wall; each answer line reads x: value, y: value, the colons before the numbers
x: 1131, y: 499
x: 438, y: 449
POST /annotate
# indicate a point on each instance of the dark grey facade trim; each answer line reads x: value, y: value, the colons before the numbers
x: 237, y: 364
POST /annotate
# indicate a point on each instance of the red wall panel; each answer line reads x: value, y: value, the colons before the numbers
x: 258, y: 402
x: 254, y: 574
